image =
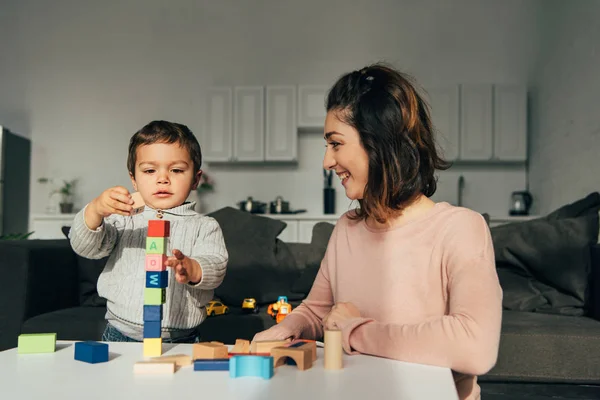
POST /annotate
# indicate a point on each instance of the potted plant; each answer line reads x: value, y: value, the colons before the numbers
x: 66, y: 192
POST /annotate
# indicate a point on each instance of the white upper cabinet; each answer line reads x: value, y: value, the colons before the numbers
x: 444, y: 102
x: 311, y: 106
x: 282, y: 128
x: 476, y: 143
x: 510, y: 123
x: 217, y: 138
x: 248, y: 123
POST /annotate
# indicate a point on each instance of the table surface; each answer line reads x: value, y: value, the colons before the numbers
x: 59, y: 376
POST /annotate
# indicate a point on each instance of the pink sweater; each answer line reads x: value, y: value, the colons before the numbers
x: 427, y: 292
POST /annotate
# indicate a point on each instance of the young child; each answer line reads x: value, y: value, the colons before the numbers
x: 403, y: 277
x: 164, y: 166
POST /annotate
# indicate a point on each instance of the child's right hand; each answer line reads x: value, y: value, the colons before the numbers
x: 114, y: 200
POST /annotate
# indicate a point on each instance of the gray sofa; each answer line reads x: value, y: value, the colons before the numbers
x: 549, y: 269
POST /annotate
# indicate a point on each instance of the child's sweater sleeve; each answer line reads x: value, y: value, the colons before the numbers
x: 467, y: 338
x: 211, y: 253
x: 93, y: 244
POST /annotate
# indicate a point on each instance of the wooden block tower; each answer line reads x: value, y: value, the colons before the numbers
x: 157, y: 280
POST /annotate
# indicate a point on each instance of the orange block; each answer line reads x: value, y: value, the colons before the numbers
x: 158, y: 228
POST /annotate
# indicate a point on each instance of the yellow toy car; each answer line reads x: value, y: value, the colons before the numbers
x: 215, y: 307
x: 249, y: 305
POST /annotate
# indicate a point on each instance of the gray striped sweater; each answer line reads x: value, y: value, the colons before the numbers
x: 123, y: 279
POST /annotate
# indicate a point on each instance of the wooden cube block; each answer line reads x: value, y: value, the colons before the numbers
x: 91, y: 352
x: 156, y: 262
x: 152, y: 329
x: 154, y: 367
x: 241, y: 346
x: 156, y: 245
x: 155, y: 279
x: 31, y: 343
x: 138, y: 203
x: 158, y: 228
x: 154, y: 296
x: 209, y: 351
x: 153, y: 313
x: 152, y: 347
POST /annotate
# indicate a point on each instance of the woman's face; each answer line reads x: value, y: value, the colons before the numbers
x: 346, y: 156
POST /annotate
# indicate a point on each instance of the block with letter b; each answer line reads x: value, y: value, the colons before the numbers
x: 156, y: 279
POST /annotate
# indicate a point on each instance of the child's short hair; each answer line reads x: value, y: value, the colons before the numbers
x: 395, y: 129
x: 164, y: 132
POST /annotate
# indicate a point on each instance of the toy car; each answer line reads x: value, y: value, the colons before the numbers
x: 249, y: 305
x: 215, y: 307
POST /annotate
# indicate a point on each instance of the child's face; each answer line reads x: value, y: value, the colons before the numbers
x: 164, y: 175
x: 346, y: 156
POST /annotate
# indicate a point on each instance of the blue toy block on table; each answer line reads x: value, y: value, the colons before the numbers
x: 91, y: 352
x: 217, y: 364
x: 261, y: 366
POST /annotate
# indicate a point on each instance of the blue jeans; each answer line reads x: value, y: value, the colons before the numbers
x: 112, y: 334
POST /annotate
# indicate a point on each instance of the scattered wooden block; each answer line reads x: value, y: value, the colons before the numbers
x: 249, y: 365
x: 156, y: 262
x: 138, y: 203
x: 333, y: 349
x: 91, y: 352
x: 152, y: 347
x: 157, y: 279
x: 302, y: 356
x: 308, y: 343
x: 241, y: 346
x: 217, y: 364
x: 31, y: 343
x: 158, y: 228
x: 180, y: 360
x: 154, y: 296
x: 156, y: 245
x: 153, y: 367
x: 265, y: 346
x: 208, y: 350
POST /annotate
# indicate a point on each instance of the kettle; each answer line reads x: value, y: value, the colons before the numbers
x: 520, y: 203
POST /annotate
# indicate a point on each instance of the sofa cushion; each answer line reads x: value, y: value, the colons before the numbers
x: 260, y: 265
x: 550, y: 348
x: 89, y: 270
x: 544, y: 264
x: 78, y: 323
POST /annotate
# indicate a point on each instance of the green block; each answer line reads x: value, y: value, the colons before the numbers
x: 154, y: 296
x: 156, y: 245
x: 30, y: 343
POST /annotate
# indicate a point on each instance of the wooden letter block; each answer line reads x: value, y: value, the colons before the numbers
x: 154, y: 367
x: 31, y: 343
x: 156, y: 245
x: 209, y: 351
x: 152, y: 329
x: 153, y: 347
x: 156, y: 262
x: 158, y: 228
x: 153, y: 313
x: 155, y: 279
x: 217, y: 364
x: 154, y: 297
x: 91, y: 352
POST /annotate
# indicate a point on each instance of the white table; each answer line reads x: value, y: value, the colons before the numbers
x: 58, y: 376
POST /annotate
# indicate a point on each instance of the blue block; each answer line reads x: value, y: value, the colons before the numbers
x: 91, y: 352
x: 157, y: 279
x: 151, y: 329
x: 153, y: 313
x: 217, y: 364
x: 261, y: 366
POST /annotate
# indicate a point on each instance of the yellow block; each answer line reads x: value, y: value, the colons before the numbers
x: 152, y: 347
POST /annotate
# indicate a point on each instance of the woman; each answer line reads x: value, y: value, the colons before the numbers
x: 403, y: 277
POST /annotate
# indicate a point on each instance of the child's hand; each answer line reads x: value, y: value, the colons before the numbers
x: 186, y: 269
x: 115, y: 200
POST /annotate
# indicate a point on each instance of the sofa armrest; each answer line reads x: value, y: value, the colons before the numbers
x: 594, y: 309
x: 36, y: 277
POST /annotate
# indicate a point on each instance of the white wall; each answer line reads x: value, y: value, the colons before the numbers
x: 83, y: 78
x: 565, y: 132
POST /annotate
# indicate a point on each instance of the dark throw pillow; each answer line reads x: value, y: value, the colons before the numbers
x: 89, y: 270
x: 260, y: 265
x: 544, y: 264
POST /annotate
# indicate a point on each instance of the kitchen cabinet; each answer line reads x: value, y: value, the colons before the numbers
x: 476, y: 122
x: 49, y: 226
x: 311, y: 106
x: 251, y: 124
x: 444, y: 103
x: 510, y: 123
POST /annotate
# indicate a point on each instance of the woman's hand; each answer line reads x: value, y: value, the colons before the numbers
x: 340, y: 313
x: 276, y: 332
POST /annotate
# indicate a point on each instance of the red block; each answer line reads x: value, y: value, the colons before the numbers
x: 158, y: 228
